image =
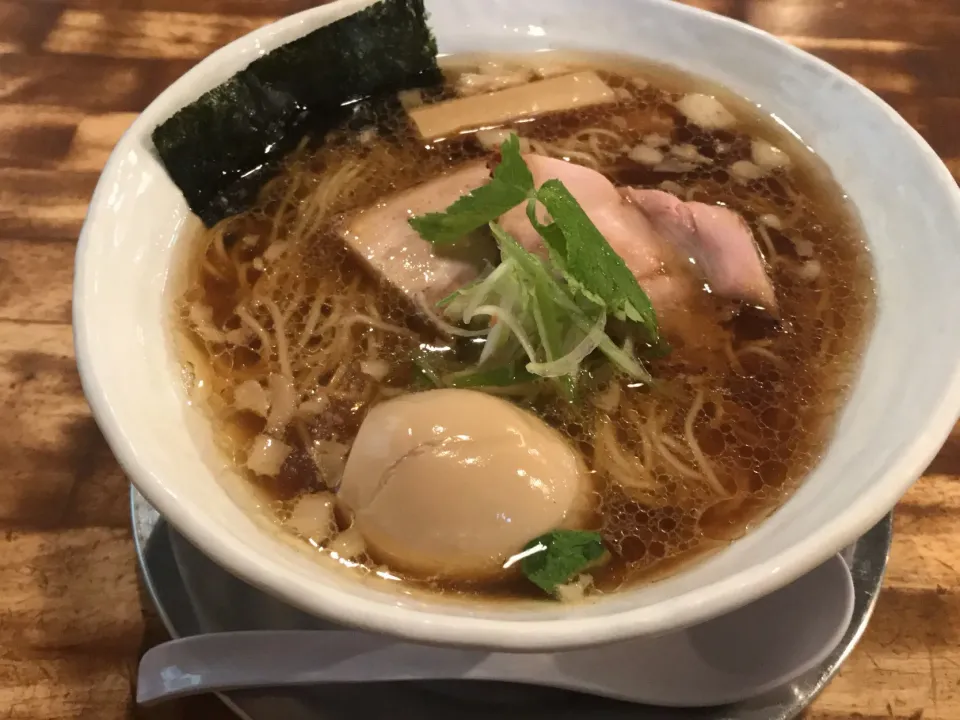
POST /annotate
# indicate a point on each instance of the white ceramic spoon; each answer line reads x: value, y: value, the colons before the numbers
x: 731, y: 658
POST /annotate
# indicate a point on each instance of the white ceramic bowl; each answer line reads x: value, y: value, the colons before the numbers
x: 903, y: 406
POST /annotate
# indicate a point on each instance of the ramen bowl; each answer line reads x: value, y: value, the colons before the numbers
x: 903, y: 405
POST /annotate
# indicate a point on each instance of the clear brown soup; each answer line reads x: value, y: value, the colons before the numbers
x: 750, y: 414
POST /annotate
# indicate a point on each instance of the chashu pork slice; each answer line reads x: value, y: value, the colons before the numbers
x: 689, y: 258
x: 658, y: 236
x: 716, y: 239
x: 383, y: 237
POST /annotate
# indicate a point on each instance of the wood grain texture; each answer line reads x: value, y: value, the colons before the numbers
x: 73, y: 75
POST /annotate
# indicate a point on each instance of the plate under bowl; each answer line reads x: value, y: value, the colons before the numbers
x: 250, y: 609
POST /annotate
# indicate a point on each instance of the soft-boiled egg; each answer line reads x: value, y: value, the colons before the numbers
x: 452, y: 483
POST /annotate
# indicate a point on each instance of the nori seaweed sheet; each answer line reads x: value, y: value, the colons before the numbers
x: 222, y: 148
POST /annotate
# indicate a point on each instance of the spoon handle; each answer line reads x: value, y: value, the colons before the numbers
x: 731, y: 658
x: 230, y: 661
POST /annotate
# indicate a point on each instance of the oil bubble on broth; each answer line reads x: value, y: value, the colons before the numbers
x: 302, y: 339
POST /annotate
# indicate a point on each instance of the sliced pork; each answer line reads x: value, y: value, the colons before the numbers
x: 382, y: 236
x: 629, y: 233
x: 716, y: 239
x: 662, y: 239
x: 685, y: 255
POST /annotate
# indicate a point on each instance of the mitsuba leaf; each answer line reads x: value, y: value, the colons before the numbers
x: 558, y: 556
x: 587, y: 259
x: 511, y: 184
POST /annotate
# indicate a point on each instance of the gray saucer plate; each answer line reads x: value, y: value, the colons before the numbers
x: 193, y: 595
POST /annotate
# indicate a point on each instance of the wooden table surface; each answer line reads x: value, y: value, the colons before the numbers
x: 73, y: 75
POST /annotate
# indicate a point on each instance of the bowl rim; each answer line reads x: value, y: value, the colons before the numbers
x: 419, y: 625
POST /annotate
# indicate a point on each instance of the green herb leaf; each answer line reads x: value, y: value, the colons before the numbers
x: 587, y: 260
x: 512, y: 169
x: 512, y: 183
x: 425, y: 375
x: 503, y: 376
x: 556, y: 557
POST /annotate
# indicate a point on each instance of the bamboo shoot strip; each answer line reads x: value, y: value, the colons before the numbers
x: 504, y: 106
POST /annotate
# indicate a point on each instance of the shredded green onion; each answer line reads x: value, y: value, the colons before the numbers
x: 550, y: 314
